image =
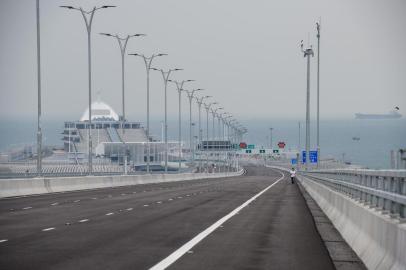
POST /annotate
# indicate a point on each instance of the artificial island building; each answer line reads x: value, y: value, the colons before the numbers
x: 113, y: 140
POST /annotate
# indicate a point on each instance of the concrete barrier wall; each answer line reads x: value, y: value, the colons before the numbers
x: 21, y: 187
x: 378, y: 240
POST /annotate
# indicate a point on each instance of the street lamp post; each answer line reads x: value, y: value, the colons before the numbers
x: 190, y: 95
x: 270, y: 137
x: 88, y: 22
x: 148, y: 63
x: 307, y: 53
x: 199, y: 103
x: 318, y: 26
x: 214, y: 113
x: 179, y: 87
x: 165, y: 76
x: 122, y: 43
x: 39, y: 131
x: 207, y: 107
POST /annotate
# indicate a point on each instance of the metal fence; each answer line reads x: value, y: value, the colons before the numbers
x: 384, y: 190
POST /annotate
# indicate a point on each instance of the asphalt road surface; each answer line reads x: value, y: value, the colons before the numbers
x: 255, y: 221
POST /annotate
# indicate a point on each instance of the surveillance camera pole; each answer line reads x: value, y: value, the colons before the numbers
x: 307, y: 53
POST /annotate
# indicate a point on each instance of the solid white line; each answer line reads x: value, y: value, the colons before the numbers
x: 48, y: 229
x: 3, y: 240
x: 189, y: 245
x: 83, y: 220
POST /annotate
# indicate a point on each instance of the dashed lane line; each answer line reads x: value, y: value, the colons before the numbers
x: 48, y: 229
x: 26, y: 208
x: 109, y: 214
x: 83, y: 220
x: 198, y: 238
x: 3, y: 240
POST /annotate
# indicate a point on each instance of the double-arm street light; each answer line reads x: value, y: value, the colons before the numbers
x: 191, y: 95
x: 214, y: 113
x: 307, y: 53
x: 39, y: 131
x: 179, y: 87
x: 88, y: 18
x: 207, y: 106
x: 199, y: 103
x: 122, y: 43
x: 165, y: 76
x: 148, y: 63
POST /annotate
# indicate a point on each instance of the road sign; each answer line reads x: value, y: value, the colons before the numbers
x: 293, y: 161
x: 248, y: 151
x: 251, y: 146
x: 312, y: 154
x: 281, y: 144
x: 262, y: 151
x: 275, y: 151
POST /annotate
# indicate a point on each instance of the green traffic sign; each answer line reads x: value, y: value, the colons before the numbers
x: 276, y: 151
x: 262, y: 151
x: 251, y: 146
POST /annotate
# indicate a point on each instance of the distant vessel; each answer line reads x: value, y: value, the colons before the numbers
x: 391, y: 115
x: 356, y: 138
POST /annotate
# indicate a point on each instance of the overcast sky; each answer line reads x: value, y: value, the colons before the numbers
x: 244, y: 53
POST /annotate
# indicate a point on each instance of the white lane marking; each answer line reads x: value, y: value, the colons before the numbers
x: 189, y: 245
x: 122, y: 194
x: 26, y: 208
x: 3, y: 240
x: 76, y: 201
x: 94, y: 198
x: 170, y: 199
x: 129, y: 209
x: 134, y: 192
x: 53, y: 204
x: 187, y: 195
x: 180, y: 197
x: 84, y: 220
x: 109, y: 214
x: 145, y: 205
x: 48, y: 229
x: 159, y: 202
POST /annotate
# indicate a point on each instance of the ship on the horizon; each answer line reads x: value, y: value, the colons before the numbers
x: 391, y: 115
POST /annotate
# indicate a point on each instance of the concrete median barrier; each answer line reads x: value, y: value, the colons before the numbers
x: 23, y: 187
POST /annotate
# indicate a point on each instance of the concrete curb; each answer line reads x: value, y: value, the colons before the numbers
x: 23, y: 187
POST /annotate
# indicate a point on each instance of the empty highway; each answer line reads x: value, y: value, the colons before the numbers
x: 255, y: 221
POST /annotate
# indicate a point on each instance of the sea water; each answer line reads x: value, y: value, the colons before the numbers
x: 376, y: 137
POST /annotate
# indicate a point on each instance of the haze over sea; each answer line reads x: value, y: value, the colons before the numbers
x: 377, y: 137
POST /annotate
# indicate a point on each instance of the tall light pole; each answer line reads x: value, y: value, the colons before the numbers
x: 148, y: 63
x: 207, y: 106
x: 199, y: 103
x: 179, y: 87
x: 307, y: 53
x: 214, y: 113
x: 270, y: 137
x: 165, y: 76
x: 122, y: 43
x: 318, y: 26
x: 88, y: 18
x: 39, y: 131
x: 190, y: 95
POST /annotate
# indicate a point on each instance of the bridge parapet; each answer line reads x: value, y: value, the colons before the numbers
x: 384, y: 190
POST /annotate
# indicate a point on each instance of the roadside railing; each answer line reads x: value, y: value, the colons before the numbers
x: 384, y: 190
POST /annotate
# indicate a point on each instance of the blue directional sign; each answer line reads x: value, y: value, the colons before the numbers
x: 293, y: 161
x: 312, y: 154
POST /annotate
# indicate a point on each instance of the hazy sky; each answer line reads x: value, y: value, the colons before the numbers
x: 244, y: 53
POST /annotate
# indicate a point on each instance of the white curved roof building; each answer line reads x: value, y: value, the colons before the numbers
x: 100, y: 112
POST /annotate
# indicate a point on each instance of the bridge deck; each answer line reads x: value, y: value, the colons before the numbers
x: 137, y: 227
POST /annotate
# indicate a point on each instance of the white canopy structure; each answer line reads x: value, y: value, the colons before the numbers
x: 100, y: 112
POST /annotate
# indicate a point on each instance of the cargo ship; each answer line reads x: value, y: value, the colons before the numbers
x: 391, y: 115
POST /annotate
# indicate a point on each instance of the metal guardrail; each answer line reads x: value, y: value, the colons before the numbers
x: 384, y: 190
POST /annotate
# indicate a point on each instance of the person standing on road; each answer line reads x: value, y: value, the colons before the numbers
x: 292, y: 175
